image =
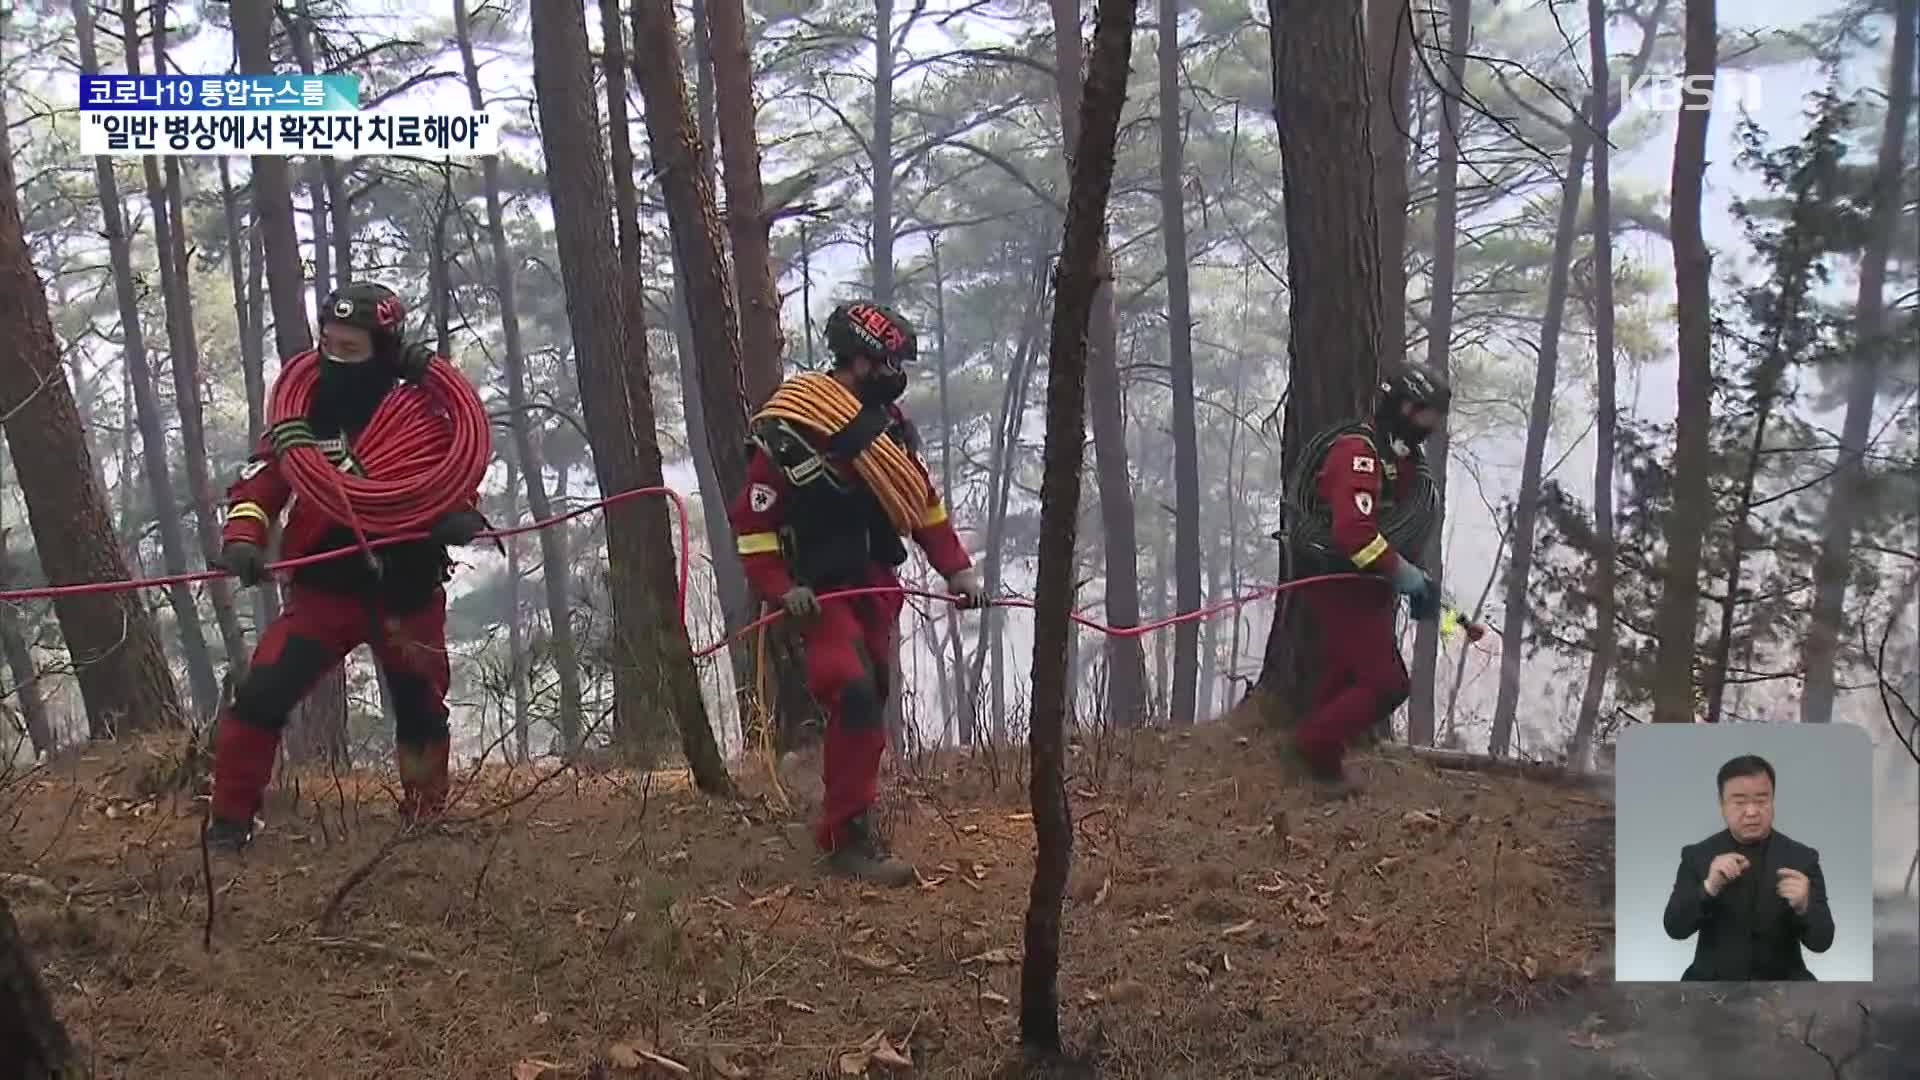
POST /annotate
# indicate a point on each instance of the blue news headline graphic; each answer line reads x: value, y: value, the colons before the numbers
x: 220, y: 93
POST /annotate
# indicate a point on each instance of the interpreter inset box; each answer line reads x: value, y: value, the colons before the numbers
x: 1743, y: 853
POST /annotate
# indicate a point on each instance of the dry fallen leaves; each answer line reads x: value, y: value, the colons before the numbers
x: 877, y: 1050
x: 636, y: 1052
x: 1239, y: 928
x: 1587, y: 1040
x: 1001, y: 955
x: 995, y: 998
x: 1106, y: 886
x: 724, y: 1068
x: 532, y: 1069
x: 874, y: 962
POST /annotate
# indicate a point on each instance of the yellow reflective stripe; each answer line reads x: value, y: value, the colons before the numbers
x: 759, y: 544
x: 1365, y: 556
x: 248, y: 510
x: 936, y: 514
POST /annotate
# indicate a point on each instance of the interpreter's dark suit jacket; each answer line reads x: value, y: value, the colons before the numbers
x: 1748, y: 932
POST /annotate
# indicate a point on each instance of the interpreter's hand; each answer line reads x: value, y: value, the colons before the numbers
x: 1792, y: 886
x: 1724, y: 869
x: 967, y: 587
x: 801, y: 603
x: 244, y: 561
x: 458, y: 528
x: 415, y: 359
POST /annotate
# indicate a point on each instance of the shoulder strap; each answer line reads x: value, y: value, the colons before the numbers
x: 791, y: 452
x: 868, y: 424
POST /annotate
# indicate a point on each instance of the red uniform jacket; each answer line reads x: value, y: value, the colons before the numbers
x: 1352, y: 481
x: 759, y: 513
x: 410, y: 571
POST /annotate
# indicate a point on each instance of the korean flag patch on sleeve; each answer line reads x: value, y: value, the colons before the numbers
x: 761, y: 498
x: 1363, y: 463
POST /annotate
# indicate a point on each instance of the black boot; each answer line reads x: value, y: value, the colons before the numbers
x: 858, y: 856
x: 1327, y: 785
x: 228, y: 837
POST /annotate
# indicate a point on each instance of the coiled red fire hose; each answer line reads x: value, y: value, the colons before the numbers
x: 422, y: 454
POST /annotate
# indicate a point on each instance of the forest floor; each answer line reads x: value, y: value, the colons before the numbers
x: 604, y: 923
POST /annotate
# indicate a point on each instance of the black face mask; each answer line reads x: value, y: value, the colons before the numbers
x: 884, y: 387
x: 347, y: 395
x: 1398, y: 427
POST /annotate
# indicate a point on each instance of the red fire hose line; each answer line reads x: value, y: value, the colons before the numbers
x: 404, y: 490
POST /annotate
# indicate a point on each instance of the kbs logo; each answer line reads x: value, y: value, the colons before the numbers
x: 1730, y: 91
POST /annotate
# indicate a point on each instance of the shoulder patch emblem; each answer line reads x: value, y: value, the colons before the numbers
x: 761, y: 498
x: 1363, y: 502
x: 253, y: 468
x: 1363, y: 463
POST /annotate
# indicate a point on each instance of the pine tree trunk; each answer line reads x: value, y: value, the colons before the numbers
x: 1846, y: 505
x: 516, y: 633
x: 651, y: 643
x: 1126, y: 659
x: 1678, y: 615
x: 762, y: 346
x: 1519, y: 573
x: 1390, y: 65
x: 1446, y: 217
x: 1600, y: 306
x: 962, y: 714
x: 246, y: 270
x: 1077, y: 285
x: 1546, y: 374
x: 713, y: 321
x: 153, y: 437
x: 555, y: 559
x: 1321, y: 104
x: 635, y: 373
x: 168, y: 201
x: 880, y: 150
x: 123, y: 674
x: 1186, y: 450
x: 19, y: 657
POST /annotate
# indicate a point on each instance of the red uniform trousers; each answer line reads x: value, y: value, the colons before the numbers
x: 314, y: 632
x: 1361, y: 675
x: 849, y: 653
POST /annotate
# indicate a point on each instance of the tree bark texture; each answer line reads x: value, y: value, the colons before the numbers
x: 1126, y: 658
x: 1678, y: 615
x: 1834, y: 567
x: 124, y: 679
x: 651, y: 641
x: 1076, y: 285
x: 1606, y: 636
x: 762, y: 346
x: 1390, y: 63
x: 1446, y: 224
x: 1186, y: 450
x: 1321, y: 106
x: 713, y: 320
x: 555, y: 559
x: 146, y: 402
x: 25, y: 685
x: 880, y: 150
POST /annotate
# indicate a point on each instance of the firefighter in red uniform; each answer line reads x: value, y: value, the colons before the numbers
x: 834, y: 486
x: 1368, y: 507
x: 395, y: 602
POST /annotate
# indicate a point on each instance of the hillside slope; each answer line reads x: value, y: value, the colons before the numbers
x: 568, y: 924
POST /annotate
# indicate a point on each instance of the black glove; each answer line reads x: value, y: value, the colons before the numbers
x: 244, y: 561
x: 458, y: 528
x: 801, y: 603
x: 1424, y: 606
x: 415, y: 359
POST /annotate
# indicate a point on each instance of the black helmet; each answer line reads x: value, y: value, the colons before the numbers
x: 1421, y: 387
x: 374, y: 308
x: 863, y: 328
